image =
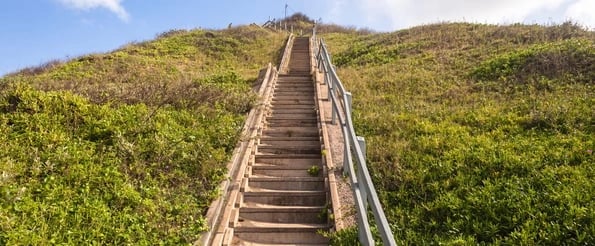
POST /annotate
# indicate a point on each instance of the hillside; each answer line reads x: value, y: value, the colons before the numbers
x: 126, y: 147
x: 477, y: 134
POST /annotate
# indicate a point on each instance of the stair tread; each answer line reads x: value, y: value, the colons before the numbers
x: 244, y: 225
x: 262, y: 166
x: 281, y: 193
x: 255, y: 205
x: 286, y: 179
x: 290, y: 156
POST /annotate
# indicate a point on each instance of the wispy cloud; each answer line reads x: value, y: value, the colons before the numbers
x: 396, y: 14
x: 114, y: 6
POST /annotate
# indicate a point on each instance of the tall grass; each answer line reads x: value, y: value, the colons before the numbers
x: 477, y: 134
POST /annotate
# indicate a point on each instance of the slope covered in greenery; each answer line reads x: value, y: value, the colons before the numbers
x: 477, y: 133
x: 126, y: 147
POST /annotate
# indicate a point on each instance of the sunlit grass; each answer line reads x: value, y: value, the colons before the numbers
x: 127, y: 147
x: 477, y: 133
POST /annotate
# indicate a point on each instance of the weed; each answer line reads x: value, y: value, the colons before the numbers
x: 314, y: 171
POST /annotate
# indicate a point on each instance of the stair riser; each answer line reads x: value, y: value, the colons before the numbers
x: 296, y: 90
x: 295, y: 111
x: 310, y: 237
x: 284, y: 103
x: 283, y: 162
x: 284, y: 106
x: 281, y: 150
x: 281, y: 144
x: 299, y: 97
x: 287, y: 185
x: 291, y: 124
x: 287, y: 104
x: 293, y: 200
x: 312, y: 217
x: 284, y: 173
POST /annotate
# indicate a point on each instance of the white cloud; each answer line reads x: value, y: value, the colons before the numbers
x: 583, y: 12
x: 113, y: 5
x: 396, y: 14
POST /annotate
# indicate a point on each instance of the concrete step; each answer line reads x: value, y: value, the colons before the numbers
x: 287, y: 100
x: 260, y: 238
x: 293, y: 86
x: 293, y: 129
x: 292, y: 79
x: 275, y: 122
x: 297, y: 72
x: 294, y: 89
x: 300, y: 80
x: 288, y: 159
x: 297, y: 149
x: 281, y: 143
x: 283, y: 119
x: 286, y: 184
x: 293, y: 116
x: 266, y: 227
x: 291, y: 95
x: 291, y: 132
x: 296, y: 102
x: 283, y: 77
x: 286, y: 110
x: 285, y: 106
x: 279, y: 96
x: 287, y: 198
x: 283, y: 162
x: 264, y: 172
x: 285, y: 215
x: 295, y: 138
x: 297, y: 114
x: 292, y: 99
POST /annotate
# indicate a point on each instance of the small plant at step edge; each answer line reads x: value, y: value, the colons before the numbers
x: 314, y: 171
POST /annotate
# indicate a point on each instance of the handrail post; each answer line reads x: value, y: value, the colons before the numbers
x: 331, y: 91
x: 364, y: 188
x: 348, y: 103
x: 346, y: 164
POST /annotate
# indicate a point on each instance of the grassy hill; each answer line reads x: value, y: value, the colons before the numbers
x: 126, y: 147
x: 477, y: 134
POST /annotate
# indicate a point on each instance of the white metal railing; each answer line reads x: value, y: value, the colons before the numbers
x: 354, y: 158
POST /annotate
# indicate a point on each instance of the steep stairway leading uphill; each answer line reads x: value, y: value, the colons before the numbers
x: 280, y: 202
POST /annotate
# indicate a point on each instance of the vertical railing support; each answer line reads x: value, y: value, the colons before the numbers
x: 331, y: 88
x: 346, y: 164
x: 348, y: 102
x: 363, y: 187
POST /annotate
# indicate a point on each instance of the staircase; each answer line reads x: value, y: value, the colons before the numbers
x: 281, y: 202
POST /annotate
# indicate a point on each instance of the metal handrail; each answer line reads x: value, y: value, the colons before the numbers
x: 354, y: 149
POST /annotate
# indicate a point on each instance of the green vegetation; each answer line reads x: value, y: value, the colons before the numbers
x: 314, y: 171
x: 477, y: 134
x: 126, y: 147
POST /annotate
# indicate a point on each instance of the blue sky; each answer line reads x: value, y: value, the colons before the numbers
x: 36, y: 31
